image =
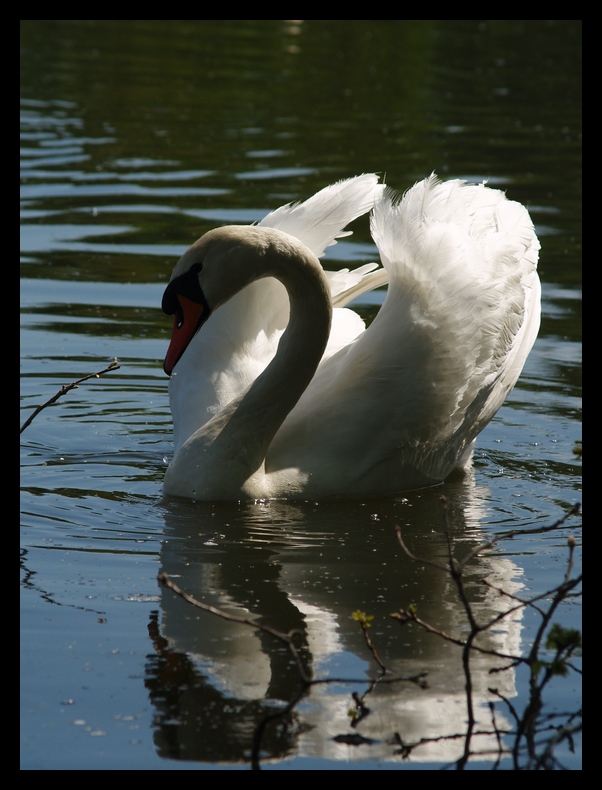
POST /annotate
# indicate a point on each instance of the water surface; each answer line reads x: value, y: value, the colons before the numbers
x: 139, y: 136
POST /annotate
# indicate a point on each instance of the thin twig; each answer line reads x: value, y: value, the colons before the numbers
x: 64, y: 389
x: 514, y: 532
x: 409, y: 615
x: 280, y: 635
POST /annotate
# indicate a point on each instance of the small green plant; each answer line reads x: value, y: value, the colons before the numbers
x: 365, y: 620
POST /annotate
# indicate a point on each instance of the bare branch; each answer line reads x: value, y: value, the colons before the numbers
x: 65, y: 388
x: 512, y: 533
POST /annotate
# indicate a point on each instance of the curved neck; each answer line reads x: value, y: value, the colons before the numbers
x: 233, y: 445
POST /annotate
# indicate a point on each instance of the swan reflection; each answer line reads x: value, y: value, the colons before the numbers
x: 309, y: 567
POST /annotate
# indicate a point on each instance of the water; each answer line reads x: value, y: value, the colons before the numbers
x: 136, y: 138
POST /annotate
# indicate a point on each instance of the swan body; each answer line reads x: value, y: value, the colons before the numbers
x: 278, y: 389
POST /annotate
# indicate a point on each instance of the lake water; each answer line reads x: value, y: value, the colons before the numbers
x: 137, y: 137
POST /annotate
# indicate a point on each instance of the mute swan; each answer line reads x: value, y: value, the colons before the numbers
x: 286, y: 394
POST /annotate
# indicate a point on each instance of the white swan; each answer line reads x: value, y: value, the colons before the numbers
x: 285, y: 393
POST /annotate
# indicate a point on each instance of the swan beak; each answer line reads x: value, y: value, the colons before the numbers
x: 188, y: 319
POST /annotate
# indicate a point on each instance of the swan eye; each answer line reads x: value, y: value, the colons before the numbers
x: 179, y: 316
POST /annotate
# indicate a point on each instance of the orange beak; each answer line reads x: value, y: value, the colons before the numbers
x: 188, y: 319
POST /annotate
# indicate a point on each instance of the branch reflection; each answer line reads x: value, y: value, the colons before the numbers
x: 309, y: 567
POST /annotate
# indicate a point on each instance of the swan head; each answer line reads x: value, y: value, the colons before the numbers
x: 214, y: 269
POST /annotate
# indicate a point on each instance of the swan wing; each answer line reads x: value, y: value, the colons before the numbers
x: 407, y: 397
x: 319, y: 221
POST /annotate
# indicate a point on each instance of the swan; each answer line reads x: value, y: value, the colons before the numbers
x: 278, y: 389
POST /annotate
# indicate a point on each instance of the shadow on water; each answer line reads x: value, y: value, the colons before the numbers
x: 294, y: 566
